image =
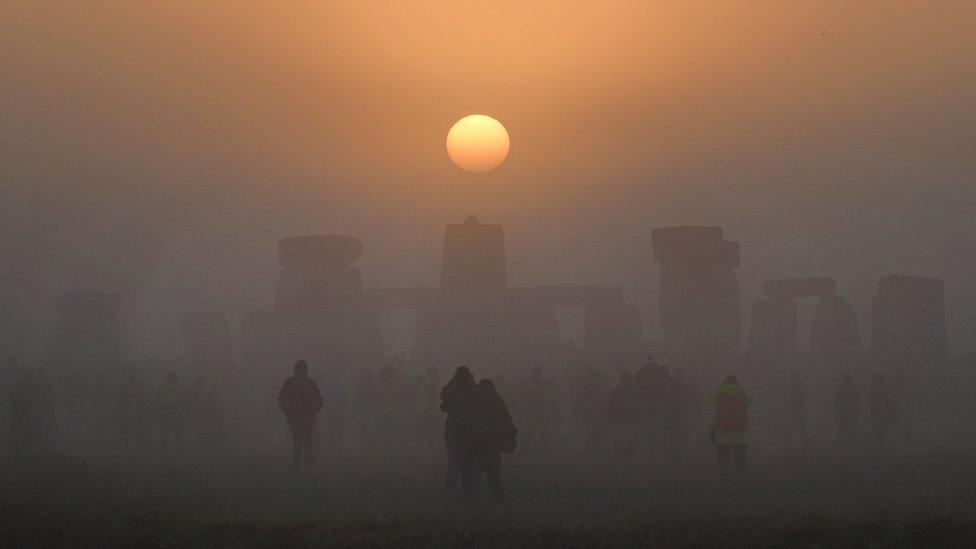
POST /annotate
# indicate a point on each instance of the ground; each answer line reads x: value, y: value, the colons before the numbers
x: 254, y: 498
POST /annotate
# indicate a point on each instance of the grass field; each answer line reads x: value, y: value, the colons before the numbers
x: 256, y: 499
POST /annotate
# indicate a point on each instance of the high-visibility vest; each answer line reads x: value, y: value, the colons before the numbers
x: 730, y: 411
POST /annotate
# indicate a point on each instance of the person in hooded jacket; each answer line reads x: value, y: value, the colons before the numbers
x: 498, y: 436
x: 465, y: 408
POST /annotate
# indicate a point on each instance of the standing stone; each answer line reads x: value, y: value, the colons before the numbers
x: 700, y: 305
x: 489, y: 333
x: 318, y: 273
x: 908, y: 324
x: 319, y: 310
x: 474, y: 257
x: 477, y: 320
x: 474, y: 318
x: 834, y: 336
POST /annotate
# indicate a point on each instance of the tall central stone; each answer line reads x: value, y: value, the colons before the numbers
x: 478, y: 320
x: 474, y: 257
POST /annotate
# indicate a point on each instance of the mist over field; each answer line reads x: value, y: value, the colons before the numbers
x: 780, y: 193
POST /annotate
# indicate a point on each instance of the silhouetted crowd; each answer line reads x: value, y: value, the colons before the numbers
x: 100, y: 413
x: 651, y: 414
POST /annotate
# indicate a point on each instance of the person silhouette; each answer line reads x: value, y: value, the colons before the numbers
x: 498, y: 436
x: 300, y: 401
x: 464, y: 405
x: 730, y: 424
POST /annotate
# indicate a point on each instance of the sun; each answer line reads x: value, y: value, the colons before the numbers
x: 477, y: 143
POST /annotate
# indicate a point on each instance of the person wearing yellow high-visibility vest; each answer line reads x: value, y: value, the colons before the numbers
x: 730, y: 424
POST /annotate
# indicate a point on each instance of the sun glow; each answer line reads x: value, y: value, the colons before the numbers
x: 477, y: 143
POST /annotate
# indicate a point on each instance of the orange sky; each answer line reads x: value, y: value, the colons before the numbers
x: 821, y: 135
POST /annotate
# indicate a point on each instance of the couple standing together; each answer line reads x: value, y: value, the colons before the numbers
x: 478, y: 430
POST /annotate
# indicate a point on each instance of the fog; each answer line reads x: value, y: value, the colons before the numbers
x: 161, y: 152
